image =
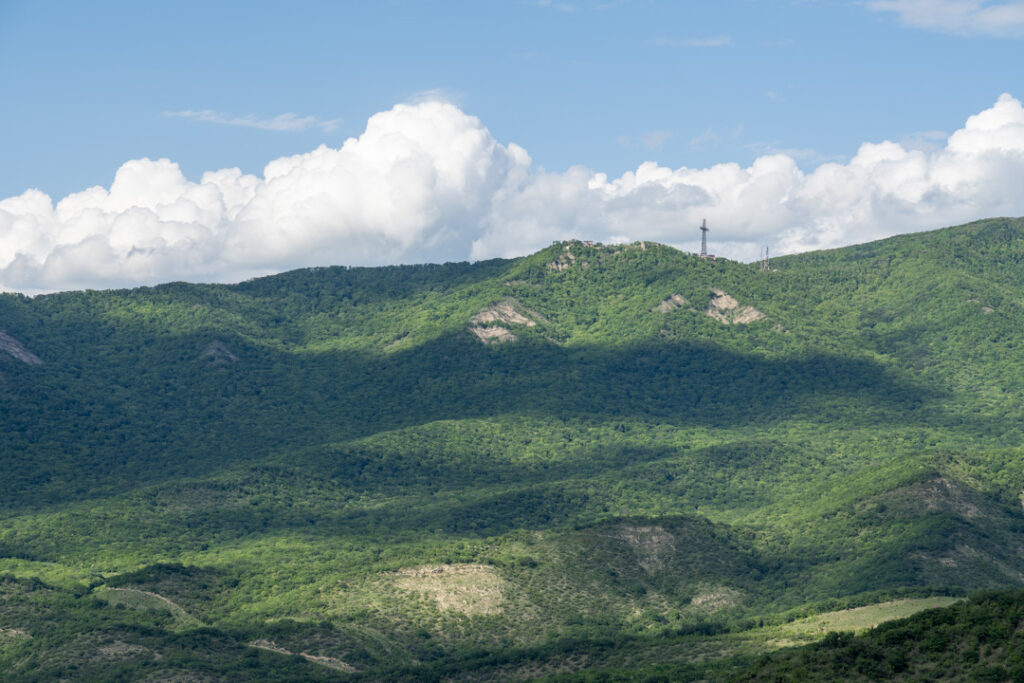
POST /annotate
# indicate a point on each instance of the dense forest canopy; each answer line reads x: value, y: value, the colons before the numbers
x: 595, y: 460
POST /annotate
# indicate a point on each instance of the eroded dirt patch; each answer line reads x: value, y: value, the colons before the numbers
x: 471, y: 589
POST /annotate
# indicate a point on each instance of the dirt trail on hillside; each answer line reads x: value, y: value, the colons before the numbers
x: 330, y: 662
x: 174, y: 607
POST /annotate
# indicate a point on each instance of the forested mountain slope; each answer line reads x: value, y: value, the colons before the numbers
x: 514, y: 468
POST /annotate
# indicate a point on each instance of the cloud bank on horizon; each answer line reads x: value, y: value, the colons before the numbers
x: 427, y: 182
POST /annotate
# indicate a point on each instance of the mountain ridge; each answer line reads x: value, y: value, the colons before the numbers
x: 291, y: 458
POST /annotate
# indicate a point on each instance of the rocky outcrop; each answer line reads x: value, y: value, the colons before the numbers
x: 218, y: 352
x: 672, y: 303
x: 564, y: 261
x: 16, y: 349
x: 489, y: 325
x: 503, y: 312
x: 493, y: 335
x: 726, y: 310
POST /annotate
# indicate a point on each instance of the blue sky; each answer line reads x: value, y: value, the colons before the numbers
x: 606, y: 85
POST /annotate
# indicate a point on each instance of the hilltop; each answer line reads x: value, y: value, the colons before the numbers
x: 593, y: 458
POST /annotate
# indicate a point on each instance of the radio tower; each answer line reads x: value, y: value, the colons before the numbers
x: 704, y: 238
x: 765, y: 265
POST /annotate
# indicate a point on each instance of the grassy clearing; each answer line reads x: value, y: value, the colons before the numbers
x: 860, y: 618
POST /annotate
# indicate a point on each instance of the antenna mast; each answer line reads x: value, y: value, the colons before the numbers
x: 765, y: 265
x: 704, y: 238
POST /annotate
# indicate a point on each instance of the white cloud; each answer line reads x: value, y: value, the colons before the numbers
x: 283, y: 122
x: 961, y: 17
x: 427, y: 182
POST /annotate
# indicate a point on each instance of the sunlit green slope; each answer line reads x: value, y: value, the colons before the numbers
x: 510, y: 468
x: 979, y: 640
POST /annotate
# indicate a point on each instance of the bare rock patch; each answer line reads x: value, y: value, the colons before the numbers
x: 503, y: 312
x: 489, y: 325
x: 218, y: 352
x: 17, y: 350
x: 672, y: 303
x: 564, y: 261
x: 728, y: 311
x: 493, y: 335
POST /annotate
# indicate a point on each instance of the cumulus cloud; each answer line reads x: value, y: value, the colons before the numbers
x: 961, y: 17
x: 283, y: 122
x: 427, y: 182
